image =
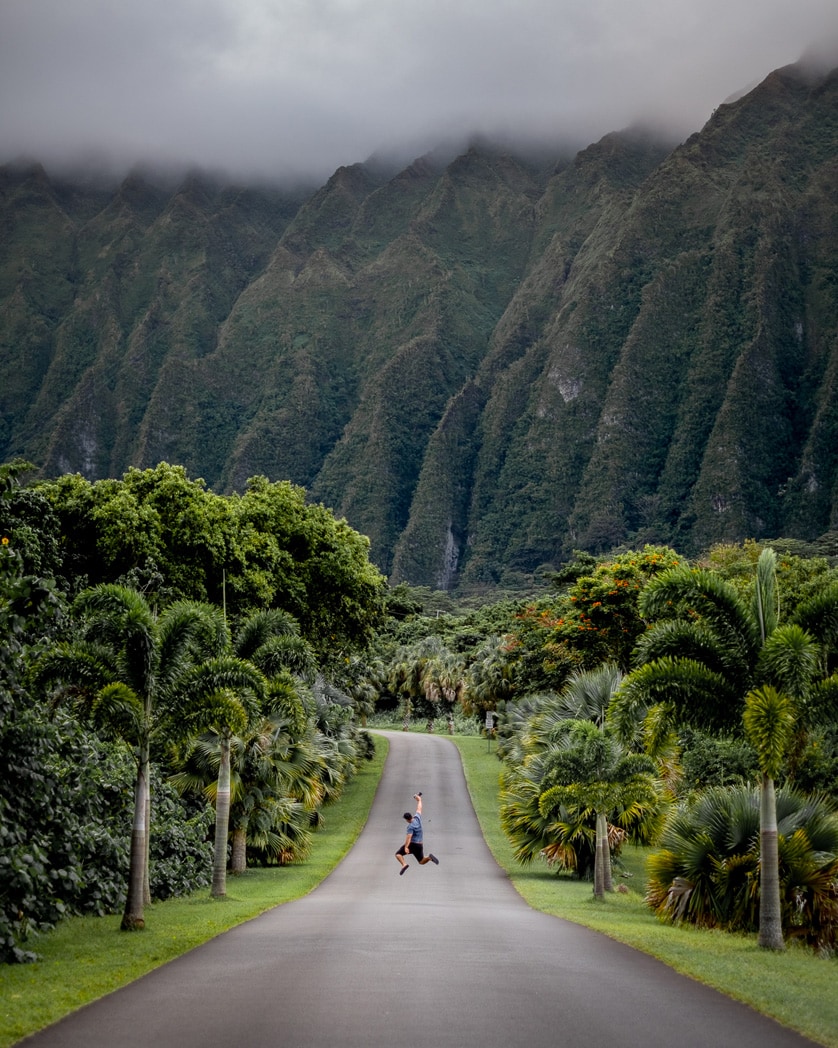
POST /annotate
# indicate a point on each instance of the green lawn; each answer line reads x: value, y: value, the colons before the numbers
x: 86, y: 958
x: 796, y: 987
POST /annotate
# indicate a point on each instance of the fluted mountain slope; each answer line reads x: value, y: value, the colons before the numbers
x: 483, y: 363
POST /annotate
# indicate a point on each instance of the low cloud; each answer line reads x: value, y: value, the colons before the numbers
x: 287, y: 87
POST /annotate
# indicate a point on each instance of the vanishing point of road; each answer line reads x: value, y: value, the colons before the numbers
x: 446, y: 955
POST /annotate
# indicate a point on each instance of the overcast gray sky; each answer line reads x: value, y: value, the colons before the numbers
x: 272, y: 87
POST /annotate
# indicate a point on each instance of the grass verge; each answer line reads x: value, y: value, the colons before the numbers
x: 88, y: 957
x: 795, y: 987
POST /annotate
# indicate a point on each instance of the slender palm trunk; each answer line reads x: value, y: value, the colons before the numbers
x: 602, y: 858
x: 222, y: 819
x: 770, y: 914
x: 132, y: 917
x: 607, y: 880
x: 147, y: 860
x: 238, y: 858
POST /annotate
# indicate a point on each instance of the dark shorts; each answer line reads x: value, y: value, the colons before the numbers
x: 417, y: 850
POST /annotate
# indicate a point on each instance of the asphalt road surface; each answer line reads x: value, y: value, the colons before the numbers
x: 444, y: 955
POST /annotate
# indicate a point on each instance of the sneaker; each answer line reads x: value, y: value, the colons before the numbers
x: 404, y: 869
x: 435, y: 860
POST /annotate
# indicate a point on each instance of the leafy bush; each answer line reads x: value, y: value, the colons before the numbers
x: 816, y: 767
x: 65, y: 822
x: 27, y: 904
x: 180, y: 846
x: 707, y: 872
x: 28, y: 877
x: 711, y: 760
x: 90, y: 831
x: 365, y: 745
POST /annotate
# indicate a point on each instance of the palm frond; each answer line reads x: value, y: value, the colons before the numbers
x: 83, y: 667
x: 588, y: 693
x: 684, y: 592
x: 790, y: 659
x: 261, y: 627
x: 707, y: 871
x: 819, y: 616
x: 117, y: 711
x: 687, y: 687
x: 766, y: 598
x: 286, y: 652
x: 770, y: 720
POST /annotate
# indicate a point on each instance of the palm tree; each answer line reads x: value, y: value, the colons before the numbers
x: 490, y: 677
x: 271, y: 640
x: 440, y: 677
x: 588, y: 693
x: 564, y: 769
x: 228, y: 710
x: 360, y: 680
x: 769, y: 720
x: 406, y: 673
x: 240, y: 764
x: 590, y: 771
x: 707, y: 651
x: 708, y: 862
x: 135, y: 676
x: 275, y: 787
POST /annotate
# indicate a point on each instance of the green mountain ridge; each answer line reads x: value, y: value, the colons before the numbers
x: 482, y: 363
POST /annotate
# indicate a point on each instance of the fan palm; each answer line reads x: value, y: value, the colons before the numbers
x: 554, y: 799
x: 275, y: 787
x: 707, y: 869
x: 588, y: 693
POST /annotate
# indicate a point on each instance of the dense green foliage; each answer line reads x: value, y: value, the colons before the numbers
x: 106, y: 691
x: 250, y: 706
x: 707, y: 869
x: 167, y: 535
x: 572, y: 793
x: 482, y: 363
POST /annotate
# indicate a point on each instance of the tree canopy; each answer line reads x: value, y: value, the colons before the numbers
x: 170, y: 537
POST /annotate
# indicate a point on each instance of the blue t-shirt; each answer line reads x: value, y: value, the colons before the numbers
x: 415, y: 827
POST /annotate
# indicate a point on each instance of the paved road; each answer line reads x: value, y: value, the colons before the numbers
x: 445, y: 955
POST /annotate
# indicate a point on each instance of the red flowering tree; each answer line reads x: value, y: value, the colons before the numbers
x: 595, y: 621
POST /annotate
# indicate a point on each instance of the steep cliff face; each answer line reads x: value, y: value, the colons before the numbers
x: 483, y: 364
x: 682, y: 371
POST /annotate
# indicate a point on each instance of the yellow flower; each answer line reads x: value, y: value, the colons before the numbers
x: 5, y: 540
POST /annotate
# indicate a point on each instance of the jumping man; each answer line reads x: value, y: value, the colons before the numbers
x: 413, y: 841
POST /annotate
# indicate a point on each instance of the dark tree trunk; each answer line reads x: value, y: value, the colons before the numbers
x: 132, y: 917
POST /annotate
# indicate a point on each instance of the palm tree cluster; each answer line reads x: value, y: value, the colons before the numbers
x: 715, y: 659
x: 432, y: 681
x: 117, y: 683
x: 241, y: 720
x: 597, y: 763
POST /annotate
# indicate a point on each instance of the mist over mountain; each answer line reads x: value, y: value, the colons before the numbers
x: 278, y: 89
x: 483, y: 360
